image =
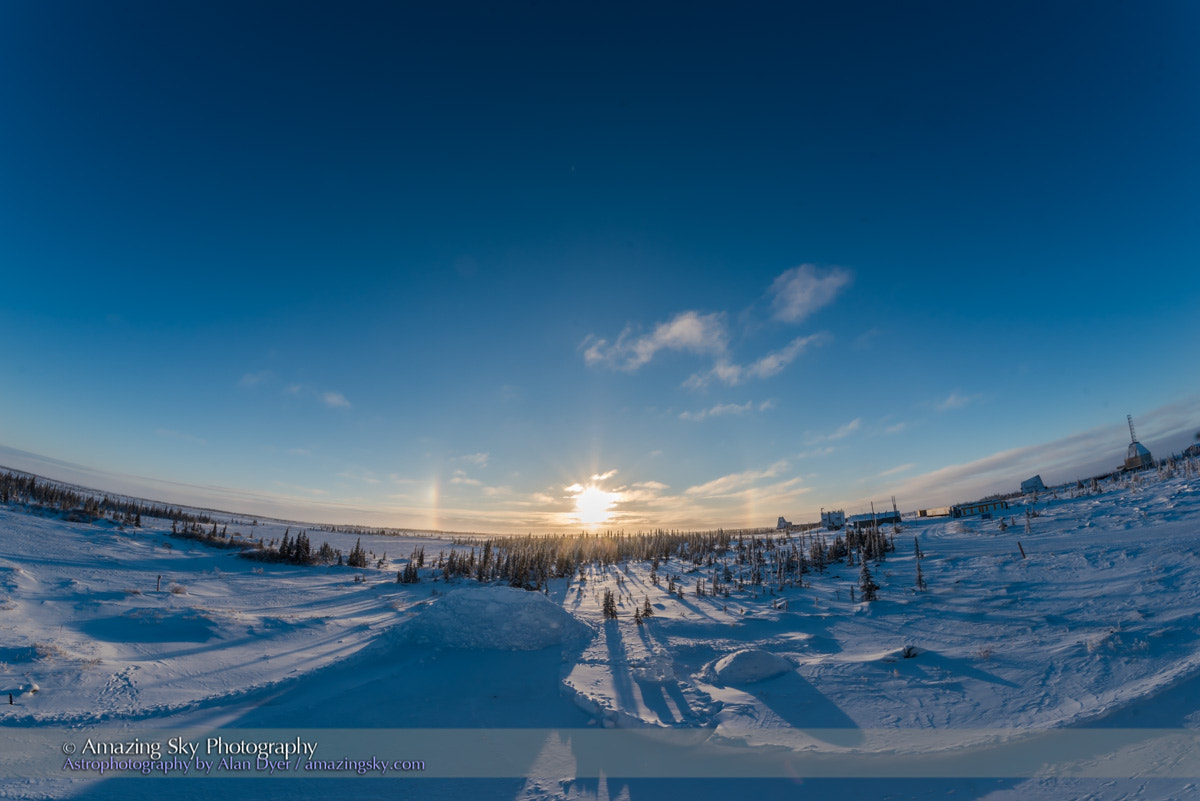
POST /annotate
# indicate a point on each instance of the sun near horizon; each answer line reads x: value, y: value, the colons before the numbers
x: 593, y: 506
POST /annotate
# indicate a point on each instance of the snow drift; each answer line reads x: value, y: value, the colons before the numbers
x: 494, y: 618
x: 748, y: 666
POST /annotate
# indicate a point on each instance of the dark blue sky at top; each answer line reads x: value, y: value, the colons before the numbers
x: 455, y: 196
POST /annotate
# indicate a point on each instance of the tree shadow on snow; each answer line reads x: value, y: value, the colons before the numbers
x: 802, y: 706
x: 928, y: 660
x: 618, y: 660
x: 665, y: 699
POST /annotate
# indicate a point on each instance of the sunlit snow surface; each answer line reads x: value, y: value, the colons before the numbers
x: 1097, y: 627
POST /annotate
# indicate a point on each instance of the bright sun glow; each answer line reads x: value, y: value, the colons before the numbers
x: 593, y: 505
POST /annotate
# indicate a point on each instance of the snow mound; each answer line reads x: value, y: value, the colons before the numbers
x: 748, y: 666
x: 496, y: 618
x: 655, y: 670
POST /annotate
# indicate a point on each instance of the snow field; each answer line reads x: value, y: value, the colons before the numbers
x: 1094, y: 626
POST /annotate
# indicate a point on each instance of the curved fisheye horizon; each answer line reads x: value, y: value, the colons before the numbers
x: 414, y: 272
x: 584, y: 401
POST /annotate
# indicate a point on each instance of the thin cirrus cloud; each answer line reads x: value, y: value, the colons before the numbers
x: 461, y: 477
x: 254, y: 379
x: 803, y: 290
x: 687, y: 331
x: 841, y: 433
x: 735, y: 482
x: 724, y: 409
x: 956, y: 400
x: 335, y: 399
x: 773, y: 363
x: 793, y: 296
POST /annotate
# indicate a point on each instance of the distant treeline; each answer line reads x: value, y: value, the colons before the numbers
x: 43, y: 495
x: 718, y: 561
x: 729, y: 559
x: 359, y: 530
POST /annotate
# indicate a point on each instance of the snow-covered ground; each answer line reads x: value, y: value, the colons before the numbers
x: 987, y: 685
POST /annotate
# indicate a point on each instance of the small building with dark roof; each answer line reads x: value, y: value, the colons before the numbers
x: 977, y: 508
x: 868, y: 520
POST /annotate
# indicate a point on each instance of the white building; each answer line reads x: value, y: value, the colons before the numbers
x: 833, y: 520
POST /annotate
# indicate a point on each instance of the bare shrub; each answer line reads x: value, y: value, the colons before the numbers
x: 46, y: 650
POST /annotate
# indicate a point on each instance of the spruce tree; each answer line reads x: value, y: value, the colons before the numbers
x: 866, y: 583
x: 610, y: 605
x: 358, y: 557
x: 920, y: 575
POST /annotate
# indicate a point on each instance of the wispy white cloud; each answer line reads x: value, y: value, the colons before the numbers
x: 864, y: 340
x: 896, y: 428
x: 726, y: 409
x: 793, y: 296
x: 734, y: 482
x: 688, y: 331
x: 461, y: 477
x: 903, y: 468
x: 773, y: 363
x: 647, y: 488
x: 956, y: 400
x: 803, y: 290
x: 841, y: 433
x: 846, y: 430
x: 477, y: 459
x: 335, y: 400
x: 717, y: 411
x: 360, y: 474
x: 304, y: 490
x: 253, y: 379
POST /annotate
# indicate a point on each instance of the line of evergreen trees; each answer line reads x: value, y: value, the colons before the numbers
x: 43, y: 495
x: 727, y: 561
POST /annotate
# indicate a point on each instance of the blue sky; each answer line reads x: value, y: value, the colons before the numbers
x: 452, y: 268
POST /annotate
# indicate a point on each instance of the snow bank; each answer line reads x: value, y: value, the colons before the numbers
x: 747, y: 666
x: 497, y: 618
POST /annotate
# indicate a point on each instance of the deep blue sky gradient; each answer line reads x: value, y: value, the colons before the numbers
x: 336, y: 255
